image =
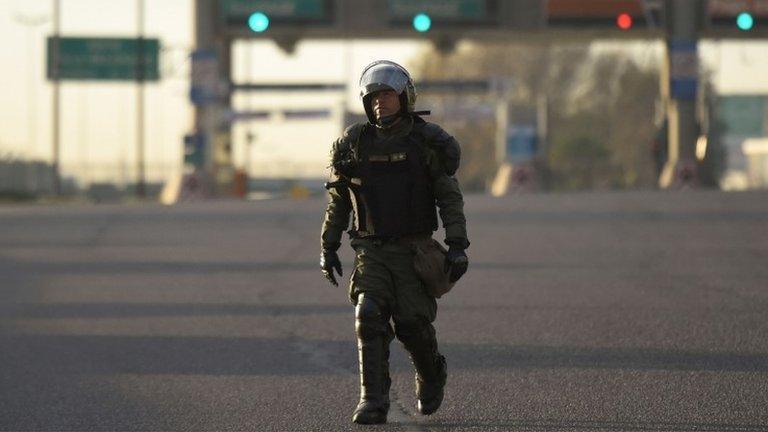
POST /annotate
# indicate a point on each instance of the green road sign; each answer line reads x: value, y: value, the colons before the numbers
x: 237, y: 12
x: 457, y: 11
x: 104, y: 59
x: 744, y: 115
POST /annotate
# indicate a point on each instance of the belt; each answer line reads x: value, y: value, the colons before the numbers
x: 405, y: 240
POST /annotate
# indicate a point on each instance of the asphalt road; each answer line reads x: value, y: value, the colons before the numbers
x: 640, y: 311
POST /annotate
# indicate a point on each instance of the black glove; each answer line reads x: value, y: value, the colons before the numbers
x: 457, y: 262
x: 329, y: 261
x: 346, y: 167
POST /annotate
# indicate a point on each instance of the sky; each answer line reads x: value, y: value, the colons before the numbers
x: 98, y: 119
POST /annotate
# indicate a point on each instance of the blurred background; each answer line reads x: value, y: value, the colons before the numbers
x: 187, y: 99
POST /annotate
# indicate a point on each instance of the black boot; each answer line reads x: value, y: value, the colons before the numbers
x: 431, y: 373
x: 373, y: 348
x: 430, y: 391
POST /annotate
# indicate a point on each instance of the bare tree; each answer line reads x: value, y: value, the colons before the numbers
x: 601, y: 110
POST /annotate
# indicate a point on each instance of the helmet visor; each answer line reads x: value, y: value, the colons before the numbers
x: 382, y: 77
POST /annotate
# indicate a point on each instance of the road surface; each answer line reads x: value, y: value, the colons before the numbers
x: 641, y: 311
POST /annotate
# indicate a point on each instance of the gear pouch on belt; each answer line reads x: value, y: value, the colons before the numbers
x: 429, y: 263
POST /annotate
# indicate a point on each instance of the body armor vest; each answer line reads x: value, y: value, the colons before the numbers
x: 392, y: 197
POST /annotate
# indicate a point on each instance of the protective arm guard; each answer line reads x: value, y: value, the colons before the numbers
x: 451, y: 204
x: 443, y: 157
x: 343, y: 167
x: 339, y: 205
x: 336, y: 219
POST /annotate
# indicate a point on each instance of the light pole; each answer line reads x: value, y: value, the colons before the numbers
x: 55, y: 63
x: 140, y: 78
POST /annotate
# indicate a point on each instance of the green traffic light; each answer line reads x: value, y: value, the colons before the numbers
x: 745, y: 21
x: 258, y: 22
x: 422, y: 22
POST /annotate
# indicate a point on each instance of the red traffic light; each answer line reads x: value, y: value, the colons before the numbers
x: 624, y: 21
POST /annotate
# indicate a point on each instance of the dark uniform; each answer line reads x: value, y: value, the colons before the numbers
x: 392, y: 179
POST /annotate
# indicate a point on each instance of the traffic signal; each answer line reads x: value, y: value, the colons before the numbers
x: 604, y: 15
x: 422, y: 23
x: 727, y: 18
x: 624, y: 21
x: 448, y: 16
x: 745, y: 21
x: 258, y: 22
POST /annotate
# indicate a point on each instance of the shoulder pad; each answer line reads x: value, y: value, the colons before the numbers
x: 344, y: 150
x: 353, y: 130
x: 349, y: 138
x: 434, y: 134
x: 446, y: 146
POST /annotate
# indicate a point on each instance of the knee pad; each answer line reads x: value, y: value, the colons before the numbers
x: 370, y: 320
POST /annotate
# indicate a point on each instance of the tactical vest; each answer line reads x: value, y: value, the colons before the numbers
x: 392, y: 195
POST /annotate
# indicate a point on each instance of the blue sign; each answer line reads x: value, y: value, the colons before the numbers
x: 684, y: 69
x: 521, y: 143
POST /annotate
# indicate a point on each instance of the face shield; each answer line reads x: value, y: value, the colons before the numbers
x: 382, y: 76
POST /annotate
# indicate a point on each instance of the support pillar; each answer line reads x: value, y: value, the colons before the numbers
x: 679, y: 89
x: 211, y: 111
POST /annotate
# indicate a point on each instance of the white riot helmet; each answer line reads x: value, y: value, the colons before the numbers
x: 387, y: 75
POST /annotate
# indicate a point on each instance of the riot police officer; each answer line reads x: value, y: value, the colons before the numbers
x: 393, y: 173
